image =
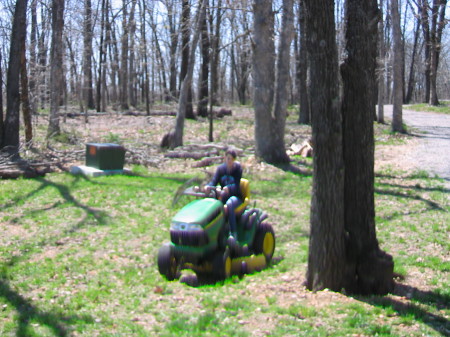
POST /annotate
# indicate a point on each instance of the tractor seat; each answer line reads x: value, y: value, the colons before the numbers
x: 245, y: 193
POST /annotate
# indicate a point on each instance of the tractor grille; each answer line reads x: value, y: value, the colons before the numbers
x: 189, y: 238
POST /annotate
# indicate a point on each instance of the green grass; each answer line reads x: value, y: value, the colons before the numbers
x: 443, y: 107
x: 78, y: 257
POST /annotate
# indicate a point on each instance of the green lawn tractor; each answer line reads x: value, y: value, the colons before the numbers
x: 200, y: 241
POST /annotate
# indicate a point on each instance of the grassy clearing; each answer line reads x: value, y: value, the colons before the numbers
x: 78, y: 258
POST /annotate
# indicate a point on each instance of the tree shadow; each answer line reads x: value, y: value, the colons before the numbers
x: 413, y: 303
x: 29, y: 313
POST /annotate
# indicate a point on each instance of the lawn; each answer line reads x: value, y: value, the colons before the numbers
x: 78, y: 258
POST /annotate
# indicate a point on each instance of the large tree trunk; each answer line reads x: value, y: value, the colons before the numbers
x: 88, y: 91
x: 326, y: 261
x: 56, y: 70
x: 397, y: 120
x: 369, y: 269
x: 305, y: 109
x: 11, y: 125
x: 270, y: 105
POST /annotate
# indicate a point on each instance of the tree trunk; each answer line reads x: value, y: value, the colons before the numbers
x: 101, y: 58
x: 202, y: 109
x: 11, y: 125
x: 42, y: 59
x: 381, y: 67
x: 175, y: 137
x: 412, y: 80
x: 2, y: 126
x: 33, y: 58
x: 144, y: 42
x: 56, y: 70
x: 124, y: 59
x: 26, y: 111
x: 370, y: 271
x: 270, y: 105
x: 132, y: 66
x: 88, y: 91
x: 305, y: 109
x: 397, y: 120
x: 438, y: 24
x: 185, y: 54
x: 424, y: 17
x: 173, y: 51
x: 326, y: 258
x: 215, y: 52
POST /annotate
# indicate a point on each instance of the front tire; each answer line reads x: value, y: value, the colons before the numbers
x: 264, y: 242
x: 167, y: 263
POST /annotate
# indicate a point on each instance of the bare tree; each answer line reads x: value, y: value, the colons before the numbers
x: 381, y: 67
x: 397, y: 120
x: 305, y: 109
x: 185, y: 55
x: 25, y: 99
x: 203, y: 92
x: 56, y: 68
x: 10, y: 139
x: 175, y: 137
x: 88, y: 91
x: 271, y: 91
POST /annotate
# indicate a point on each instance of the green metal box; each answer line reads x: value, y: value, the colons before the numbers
x: 105, y: 156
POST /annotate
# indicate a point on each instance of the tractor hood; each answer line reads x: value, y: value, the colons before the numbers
x: 199, y: 211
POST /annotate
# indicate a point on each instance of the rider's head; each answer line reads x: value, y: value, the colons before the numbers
x: 230, y: 157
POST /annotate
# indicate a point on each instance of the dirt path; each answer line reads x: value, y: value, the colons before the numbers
x: 431, y: 150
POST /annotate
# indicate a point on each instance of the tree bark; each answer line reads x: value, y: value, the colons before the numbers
x: 124, y: 59
x: 305, y: 109
x: 424, y: 17
x: 185, y: 55
x: 175, y: 137
x: 438, y: 24
x: 11, y: 140
x: 215, y: 52
x: 132, y: 66
x: 326, y: 258
x: 270, y: 100
x: 370, y: 271
x: 412, y: 80
x: 202, y: 109
x: 101, y: 58
x: 26, y: 109
x: 397, y: 120
x: 33, y: 57
x: 381, y: 67
x: 56, y: 70
x: 88, y: 91
x: 2, y: 126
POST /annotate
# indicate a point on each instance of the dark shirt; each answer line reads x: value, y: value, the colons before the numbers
x: 230, y: 179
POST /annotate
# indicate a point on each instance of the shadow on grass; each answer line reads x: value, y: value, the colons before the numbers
x: 415, y: 306
x: 29, y: 314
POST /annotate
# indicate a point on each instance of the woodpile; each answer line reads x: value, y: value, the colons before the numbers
x: 305, y: 149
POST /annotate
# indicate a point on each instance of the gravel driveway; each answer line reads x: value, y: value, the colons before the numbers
x: 432, y: 133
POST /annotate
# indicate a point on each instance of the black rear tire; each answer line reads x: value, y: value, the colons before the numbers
x: 222, y: 265
x: 264, y: 242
